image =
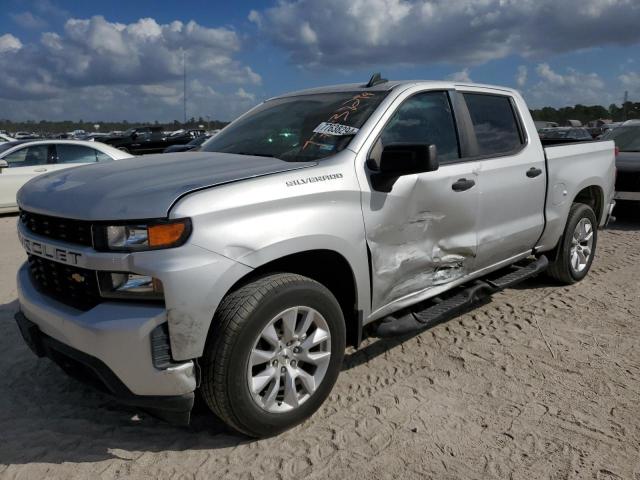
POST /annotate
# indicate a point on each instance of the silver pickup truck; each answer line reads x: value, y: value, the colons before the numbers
x: 315, y: 219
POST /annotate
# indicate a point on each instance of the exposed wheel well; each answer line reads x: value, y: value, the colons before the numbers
x: 326, y: 267
x: 594, y: 197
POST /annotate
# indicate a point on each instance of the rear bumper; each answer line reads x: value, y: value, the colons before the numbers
x: 609, y: 216
x: 627, y: 196
x: 90, y: 370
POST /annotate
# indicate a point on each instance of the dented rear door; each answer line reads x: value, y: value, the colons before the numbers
x: 422, y: 233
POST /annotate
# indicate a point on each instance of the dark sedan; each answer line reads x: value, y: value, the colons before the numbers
x: 192, y: 145
x: 627, y: 139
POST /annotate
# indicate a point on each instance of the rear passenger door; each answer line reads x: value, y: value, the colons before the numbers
x: 512, y: 179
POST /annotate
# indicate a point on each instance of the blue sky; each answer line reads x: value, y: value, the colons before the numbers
x: 123, y: 59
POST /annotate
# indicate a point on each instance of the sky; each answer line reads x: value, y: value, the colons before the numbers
x: 123, y: 60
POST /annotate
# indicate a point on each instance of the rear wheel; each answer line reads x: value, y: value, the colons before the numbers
x: 577, y: 246
x: 274, y: 354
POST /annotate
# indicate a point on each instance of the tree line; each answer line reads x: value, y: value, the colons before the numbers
x: 45, y: 126
x: 586, y: 113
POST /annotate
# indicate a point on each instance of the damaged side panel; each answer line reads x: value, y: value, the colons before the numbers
x: 421, y: 235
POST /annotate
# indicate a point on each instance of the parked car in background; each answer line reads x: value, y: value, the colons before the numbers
x: 6, y: 138
x: 192, y: 145
x: 23, y: 160
x: 540, y: 124
x: 627, y: 140
x: 25, y: 136
x: 564, y: 135
x: 151, y: 139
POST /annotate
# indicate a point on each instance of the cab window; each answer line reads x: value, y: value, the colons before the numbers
x: 425, y: 118
x: 494, y: 123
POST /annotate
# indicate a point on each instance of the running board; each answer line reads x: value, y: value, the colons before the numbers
x: 415, y: 321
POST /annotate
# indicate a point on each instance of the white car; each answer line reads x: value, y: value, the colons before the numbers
x: 20, y: 161
x: 6, y: 138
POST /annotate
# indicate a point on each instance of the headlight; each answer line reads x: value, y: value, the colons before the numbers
x: 130, y: 286
x: 144, y: 236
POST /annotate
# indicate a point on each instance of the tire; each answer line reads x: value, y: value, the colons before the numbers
x: 563, y: 268
x: 242, y: 326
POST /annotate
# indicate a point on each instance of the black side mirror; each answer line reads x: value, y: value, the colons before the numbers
x: 406, y: 158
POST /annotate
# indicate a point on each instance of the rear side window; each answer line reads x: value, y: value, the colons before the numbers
x: 75, y: 154
x: 425, y: 118
x: 494, y: 122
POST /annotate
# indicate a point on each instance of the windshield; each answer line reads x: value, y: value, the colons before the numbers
x: 307, y: 127
x: 627, y: 138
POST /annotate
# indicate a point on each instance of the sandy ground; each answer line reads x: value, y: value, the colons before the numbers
x: 542, y: 382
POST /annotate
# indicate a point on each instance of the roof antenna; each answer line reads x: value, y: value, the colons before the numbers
x: 375, y: 80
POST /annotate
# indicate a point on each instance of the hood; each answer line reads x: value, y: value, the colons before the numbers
x: 628, y: 162
x: 140, y: 188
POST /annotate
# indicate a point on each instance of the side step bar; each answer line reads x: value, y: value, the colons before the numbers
x: 415, y: 321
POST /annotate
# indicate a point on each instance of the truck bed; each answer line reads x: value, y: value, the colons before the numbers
x: 570, y: 168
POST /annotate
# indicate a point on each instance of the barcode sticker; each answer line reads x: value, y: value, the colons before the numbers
x: 327, y: 128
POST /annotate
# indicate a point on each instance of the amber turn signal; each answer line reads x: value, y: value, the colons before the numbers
x: 165, y: 235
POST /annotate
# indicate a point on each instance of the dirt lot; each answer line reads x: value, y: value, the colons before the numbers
x: 542, y: 382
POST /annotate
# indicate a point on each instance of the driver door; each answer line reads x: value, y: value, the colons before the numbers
x: 422, y: 233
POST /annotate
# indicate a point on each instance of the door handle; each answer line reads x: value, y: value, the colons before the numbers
x: 463, y: 184
x: 40, y: 170
x: 533, y: 172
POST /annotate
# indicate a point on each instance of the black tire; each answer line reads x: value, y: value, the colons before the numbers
x: 561, y: 269
x: 239, y: 319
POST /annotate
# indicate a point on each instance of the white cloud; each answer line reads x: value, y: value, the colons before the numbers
x: 468, y: 32
x: 567, y: 88
x: 461, y: 76
x: 521, y: 76
x: 9, y: 43
x: 630, y: 79
x: 28, y: 20
x: 140, y: 58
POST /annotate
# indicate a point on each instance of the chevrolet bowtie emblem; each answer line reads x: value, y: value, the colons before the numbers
x: 76, y: 277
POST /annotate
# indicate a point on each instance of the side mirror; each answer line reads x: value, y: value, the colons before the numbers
x: 3, y: 164
x: 134, y: 135
x: 399, y: 159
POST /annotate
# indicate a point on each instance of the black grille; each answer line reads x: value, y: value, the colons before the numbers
x: 73, y: 286
x: 72, y: 231
x: 628, y: 182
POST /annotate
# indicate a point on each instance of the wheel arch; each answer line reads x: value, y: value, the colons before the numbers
x: 593, y: 196
x: 327, y: 267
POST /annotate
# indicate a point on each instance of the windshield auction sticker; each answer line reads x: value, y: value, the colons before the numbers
x: 337, y: 129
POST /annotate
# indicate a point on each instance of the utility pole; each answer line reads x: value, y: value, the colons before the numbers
x: 184, y: 84
x: 624, y: 104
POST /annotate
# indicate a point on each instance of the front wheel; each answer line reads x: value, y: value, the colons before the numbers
x: 274, y: 353
x: 577, y: 246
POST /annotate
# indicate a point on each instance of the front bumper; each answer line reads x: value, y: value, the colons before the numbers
x: 173, y: 408
x: 115, y: 334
